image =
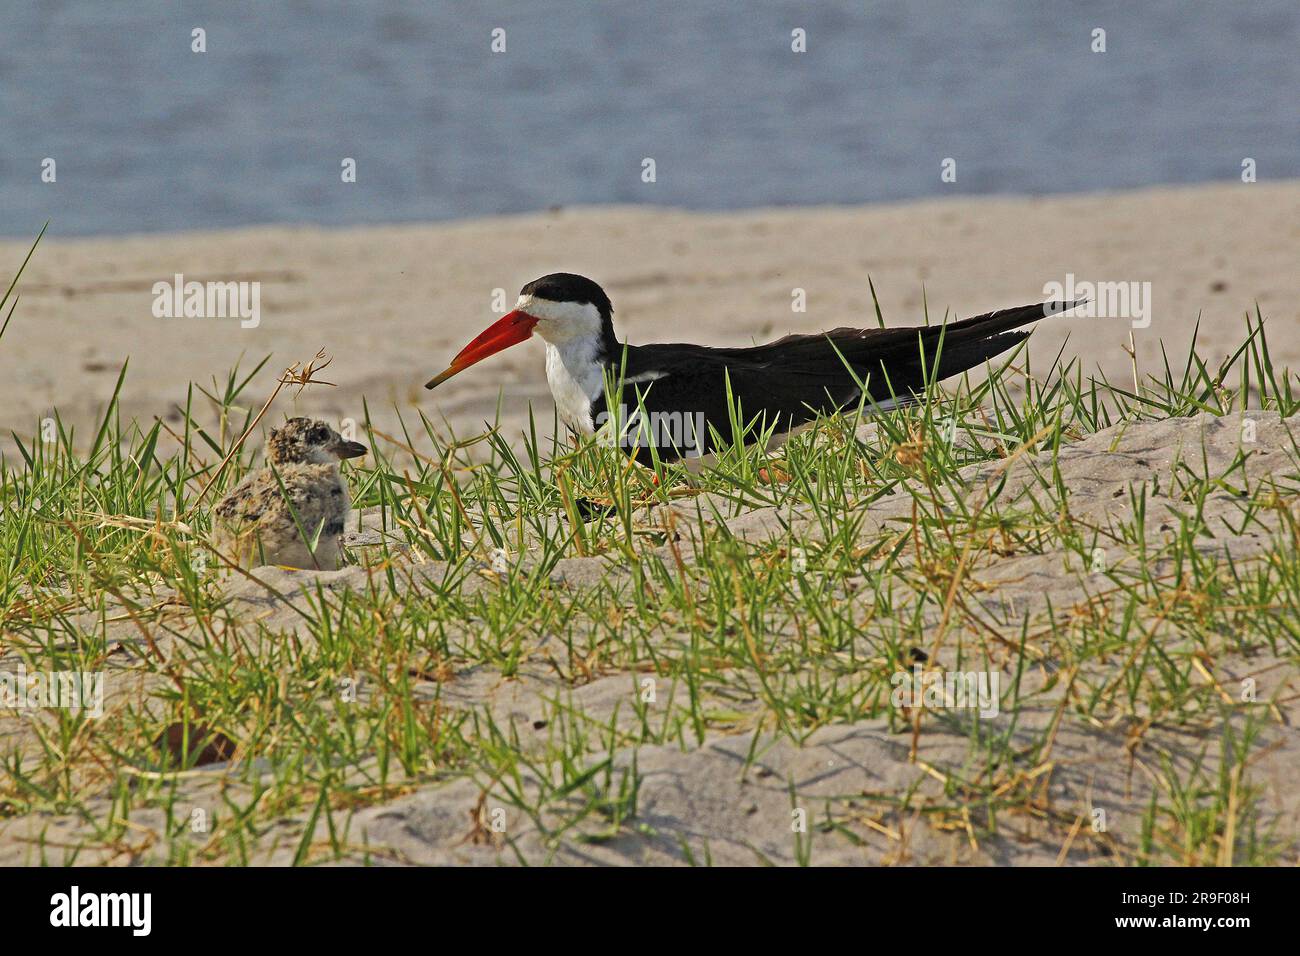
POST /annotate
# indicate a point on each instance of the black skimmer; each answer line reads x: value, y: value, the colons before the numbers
x: 682, y: 391
x: 293, y: 511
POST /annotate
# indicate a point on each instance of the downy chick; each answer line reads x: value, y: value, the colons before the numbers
x: 293, y: 511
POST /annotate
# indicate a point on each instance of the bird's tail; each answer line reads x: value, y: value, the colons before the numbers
x: 1002, y: 320
x: 908, y: 358
x: 968, y: 343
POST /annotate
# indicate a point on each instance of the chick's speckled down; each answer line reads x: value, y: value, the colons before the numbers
x: 292, y: 512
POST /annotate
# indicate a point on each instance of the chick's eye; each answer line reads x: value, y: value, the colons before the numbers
x: 318, y: 435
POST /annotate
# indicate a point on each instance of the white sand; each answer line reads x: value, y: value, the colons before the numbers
x: 705, y: 795
x: 394, y: 303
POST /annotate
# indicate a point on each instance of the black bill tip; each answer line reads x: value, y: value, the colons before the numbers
x: 350, y: 449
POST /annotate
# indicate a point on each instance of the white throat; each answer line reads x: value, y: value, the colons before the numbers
x: 317, y: 455
x: 576, y: 377
x: 572, y: 333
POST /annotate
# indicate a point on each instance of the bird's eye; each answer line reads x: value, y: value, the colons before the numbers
x: 318, y: 435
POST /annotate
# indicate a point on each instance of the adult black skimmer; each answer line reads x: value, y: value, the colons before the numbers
x: 681, y: 390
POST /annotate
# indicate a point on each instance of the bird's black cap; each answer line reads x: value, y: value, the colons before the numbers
x: 568, y: 287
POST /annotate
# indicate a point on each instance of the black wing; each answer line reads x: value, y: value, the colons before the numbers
x: 683, y: 388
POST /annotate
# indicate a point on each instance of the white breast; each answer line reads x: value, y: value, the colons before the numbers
x: 576, y: 380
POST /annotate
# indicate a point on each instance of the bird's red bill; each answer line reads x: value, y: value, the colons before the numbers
x: 510, y: 329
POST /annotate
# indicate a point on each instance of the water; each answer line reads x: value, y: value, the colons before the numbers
x: 148, y: 135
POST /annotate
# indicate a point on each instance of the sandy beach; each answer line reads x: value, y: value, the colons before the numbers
x: 1029, y: 602
x: 392, y: 303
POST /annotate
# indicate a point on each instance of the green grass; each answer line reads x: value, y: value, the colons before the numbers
x: 343, y: 701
